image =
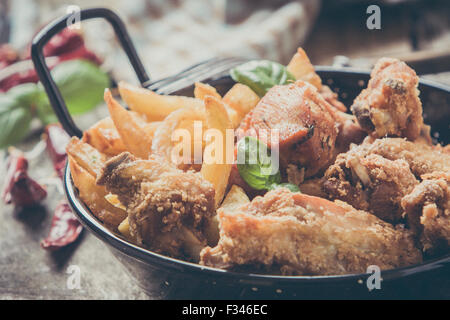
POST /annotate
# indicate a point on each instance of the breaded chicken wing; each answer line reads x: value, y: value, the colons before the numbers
x: 390, y: 104
x: 427, y: 209
x: 168, y: 208
x: 304, y: 235
x: 377, y: 174
x: 370, y: 182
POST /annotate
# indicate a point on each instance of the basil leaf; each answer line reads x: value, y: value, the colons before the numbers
x: 261, y: 75
x: 254, y: 164
x: 81, y: 83
x: 292, y: 187
x: 26, y: 94
x: 15, y: 121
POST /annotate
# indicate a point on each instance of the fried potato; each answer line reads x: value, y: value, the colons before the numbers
x: 133, y: 136
x: 104, y: 137
x: 166, y: 136
x: 235, y: 198
x: 93, y: 195
x: 219, y: 170
x: 302, y: 69
x: 155, y: 106
x: 242, y: 99
x: 202, y: 90
x: 87, y: 157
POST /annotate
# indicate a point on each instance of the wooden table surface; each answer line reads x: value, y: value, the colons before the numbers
x: 29, y: 272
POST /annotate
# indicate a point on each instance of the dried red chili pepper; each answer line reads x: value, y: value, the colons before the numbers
x: 19, y: 188
x: 66, y: 45
x: 64, y: 230
x: 57, y: 139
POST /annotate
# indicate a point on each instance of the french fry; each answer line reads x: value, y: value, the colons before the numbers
x: 242, y: 99
x: 201, y: 90
x: 155, y: 106
x: 104, y: 137
x: 124, y: 229
x: 93, y: 195
x: 235, y: 198
x: 133, y: 136
x: 179, y: 119
x: 87, y: 157
x: 217, y: 173
x: 302, y: 69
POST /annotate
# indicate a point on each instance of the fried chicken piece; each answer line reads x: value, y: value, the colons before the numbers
x: 296, y: 234
x: 427, y: 209
x: 168, y: 208
x: 421, y: 157
x: 377, y: 174
x: 332, y: 98
x: 390, y: 104
x: 370, y: 182
x: 304, y: 120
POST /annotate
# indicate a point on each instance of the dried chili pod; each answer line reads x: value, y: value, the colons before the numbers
x: 64, y: 230
x: 19, y: 188
x: 57, y: 139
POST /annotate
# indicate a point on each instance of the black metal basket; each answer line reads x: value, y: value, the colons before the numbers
x: 164, y: 277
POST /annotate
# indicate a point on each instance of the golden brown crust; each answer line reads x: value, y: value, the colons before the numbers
x: 305, y: 235
x: 164, y: 204
x: 427, y: 209
x: 390, y: 105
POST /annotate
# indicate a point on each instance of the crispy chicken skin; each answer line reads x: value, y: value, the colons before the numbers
x: 390, y: 104
x: 427, y: 209
x: 377, y: 174
x: 370, y: 182
x: 304, y: 120
x: 307, y: 235
x: 421, y: 157
x: 167, y: 207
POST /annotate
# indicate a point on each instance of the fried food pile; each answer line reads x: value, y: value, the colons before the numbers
x: 353, y: 189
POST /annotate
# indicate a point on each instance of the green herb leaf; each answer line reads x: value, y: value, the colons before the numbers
x: 15, y: 120
x: 261, y: 75
x: 254, y: 164
x: 81, y: 83
x: 26, y: 94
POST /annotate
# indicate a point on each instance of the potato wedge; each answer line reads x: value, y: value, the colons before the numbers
x: 133, y: 136
x: 242, y: 99
x: 93, y: 195
x: 235, y: 198
x: 217, y: 173
x: 155, y: 106
x: 163, y: 140
x: 104, y: 137
x: 124, y: 229
x: 202, y: 90
x: 302, y: 69
x: 87, y: 157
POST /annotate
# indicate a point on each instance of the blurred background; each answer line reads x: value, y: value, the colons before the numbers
x: 171, y: 35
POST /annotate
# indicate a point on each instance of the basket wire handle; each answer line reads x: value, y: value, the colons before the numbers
x: 37, y: 55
